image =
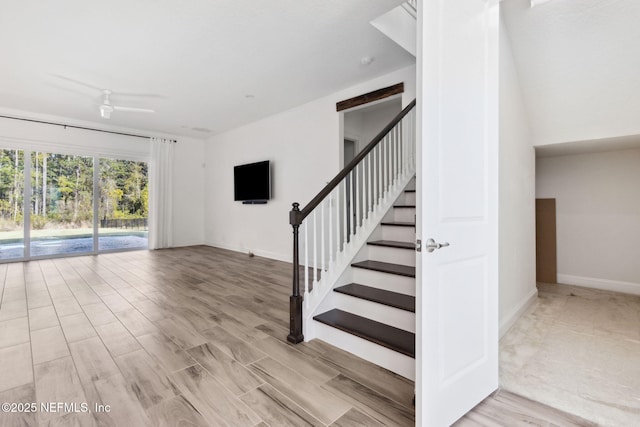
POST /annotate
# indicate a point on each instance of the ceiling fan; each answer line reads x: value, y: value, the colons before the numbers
x: 107, y: 107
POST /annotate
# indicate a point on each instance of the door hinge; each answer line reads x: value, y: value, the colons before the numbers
x: 418, y: 245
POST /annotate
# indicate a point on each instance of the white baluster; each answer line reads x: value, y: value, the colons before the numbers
x: 404, y: 146
x: 375, y: 176
x: 389, y: 164
x: 398, y: 136
x: 410, y: 141
x: 382, y: 169
x: 346, y: 208
x: 392, y: 157
x: 338, y: 229
x: 315, y: 249
x: 385, y: 159
x: 392, y: 148
x: 399, y: 150
x: 356, y: 193
x: 365, y: 211
x: 413, y: 140
x: 306, y: 260
x: 351, y: 205
x: 370, y: 204
x: 322, y: 257
x: 331, y: 196
x: 354, y: 187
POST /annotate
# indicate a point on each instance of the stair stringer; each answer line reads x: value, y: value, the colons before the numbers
x: 338, y: 270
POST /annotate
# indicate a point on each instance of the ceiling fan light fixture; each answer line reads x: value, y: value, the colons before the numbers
x: 105, y: 111
x: 107, y: 107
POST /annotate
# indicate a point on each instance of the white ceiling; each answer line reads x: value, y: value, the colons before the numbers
x: 200, y: 58
x: 578, y: 63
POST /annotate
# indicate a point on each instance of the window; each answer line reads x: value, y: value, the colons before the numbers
x: 61, y: 204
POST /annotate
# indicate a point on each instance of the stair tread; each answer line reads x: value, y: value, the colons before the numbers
x: 399, y: 223
x: 386, y: 267
x: 393, y: 244
x: 392, y: 338
x: 404, y: 206
x: 380, y: 296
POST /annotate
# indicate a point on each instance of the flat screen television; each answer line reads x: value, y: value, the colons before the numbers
x: 252, y: 182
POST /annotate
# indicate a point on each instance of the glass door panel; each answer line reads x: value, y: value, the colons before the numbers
x: 124, y: 205
x: 61, y: 204
x: 11, y: 204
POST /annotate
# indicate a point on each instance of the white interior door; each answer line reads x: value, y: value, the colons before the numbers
x: 457, y: 340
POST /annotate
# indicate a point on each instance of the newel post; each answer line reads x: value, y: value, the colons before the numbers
x: 295, y: 300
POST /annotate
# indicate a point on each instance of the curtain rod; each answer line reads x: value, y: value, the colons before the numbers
x: 81, y: 127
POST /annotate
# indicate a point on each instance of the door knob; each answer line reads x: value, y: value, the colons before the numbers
x: 432, y: 245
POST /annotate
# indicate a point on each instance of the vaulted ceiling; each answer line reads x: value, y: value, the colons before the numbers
x: 204, y: 66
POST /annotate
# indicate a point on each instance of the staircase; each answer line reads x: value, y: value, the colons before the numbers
x: 373, y: 314
x: 354, y: 254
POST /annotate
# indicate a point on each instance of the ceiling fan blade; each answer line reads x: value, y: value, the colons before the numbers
x: 133, y: 109
x: 79, y: 92
x: 136, y: 95
x: 99, y: 89
x: 78, y: 82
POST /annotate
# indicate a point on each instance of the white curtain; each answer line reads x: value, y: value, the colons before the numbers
x: 161, y: 194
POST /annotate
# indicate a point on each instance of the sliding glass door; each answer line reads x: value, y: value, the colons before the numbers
x: 11, y: 204
x: 61, y: 204
x: 124, y: 205
x: 54, y: 204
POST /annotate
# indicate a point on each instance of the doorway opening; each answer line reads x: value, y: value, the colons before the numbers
x: 361, y: 124
x: 576, y: 348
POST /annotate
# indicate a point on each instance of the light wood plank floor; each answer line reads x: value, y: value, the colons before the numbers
x: 191, y: 336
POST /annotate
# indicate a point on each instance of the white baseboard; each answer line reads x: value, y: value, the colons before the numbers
x: 602, y: 284
x: 513, y: 315
x: 265, y: 254
x: 184, y: 244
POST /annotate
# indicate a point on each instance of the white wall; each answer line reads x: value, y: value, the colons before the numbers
x: 597, y: 217
x: 188, y: 209
x: 188, y: 192
x: 305, y: 146
x: 517, y: 195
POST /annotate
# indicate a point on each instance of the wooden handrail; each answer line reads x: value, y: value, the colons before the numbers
x: 296, y: 217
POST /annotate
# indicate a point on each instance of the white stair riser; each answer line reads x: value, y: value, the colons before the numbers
x: 374, y: 353
x: 390, y: 282
x: 399, y: 234
x: 391, y: 316
x: 392, y: 255
x: 410, y: 198
x: 404, y: 214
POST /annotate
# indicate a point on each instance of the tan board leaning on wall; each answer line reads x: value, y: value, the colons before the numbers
x: 546, y: 254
